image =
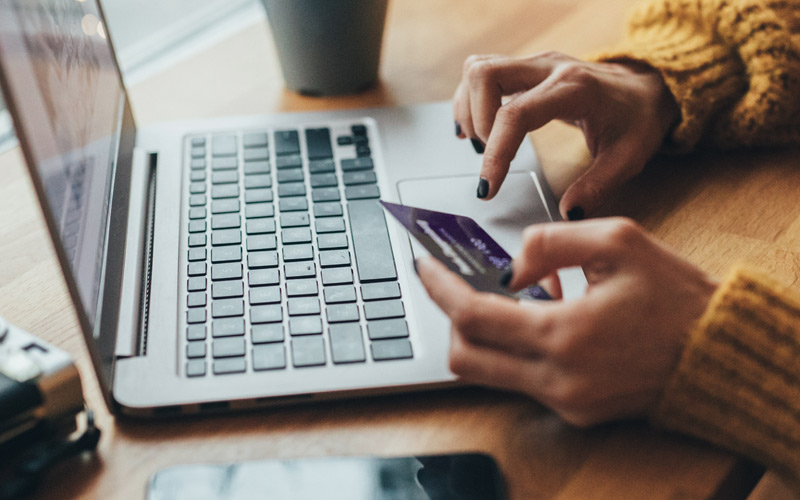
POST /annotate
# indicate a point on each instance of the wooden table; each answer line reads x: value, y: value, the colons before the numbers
x: 713, y: 210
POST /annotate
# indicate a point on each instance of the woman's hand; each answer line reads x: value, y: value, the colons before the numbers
x: 624, y: 111
x: 604, y: 356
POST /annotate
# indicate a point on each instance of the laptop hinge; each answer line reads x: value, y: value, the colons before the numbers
x: 132, y: 327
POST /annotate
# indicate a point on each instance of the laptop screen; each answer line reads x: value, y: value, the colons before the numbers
x: 66, y: 98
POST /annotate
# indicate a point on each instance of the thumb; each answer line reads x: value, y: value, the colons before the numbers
x: 610, y: 169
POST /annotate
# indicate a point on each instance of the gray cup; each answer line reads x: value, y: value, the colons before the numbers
x: 328, y: 47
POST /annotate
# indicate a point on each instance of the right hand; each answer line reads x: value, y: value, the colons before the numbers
x: 624, y: 110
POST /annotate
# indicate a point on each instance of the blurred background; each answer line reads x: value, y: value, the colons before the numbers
x: 150, y: 35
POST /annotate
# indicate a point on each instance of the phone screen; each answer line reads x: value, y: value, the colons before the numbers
x: 468, y: 476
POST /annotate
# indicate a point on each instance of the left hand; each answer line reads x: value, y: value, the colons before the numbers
x: 604, y: 356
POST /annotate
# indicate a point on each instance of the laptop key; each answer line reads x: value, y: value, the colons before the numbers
x: 227, y: 327
x: 255, y: 140
x: 272, y: 313
x: 228, y: 253
x: 269, y: 357
x: 224, y: 191
x: 226, y: 237
x: 362, y: 192
x: 360, y: 163
x: 259, y: 210
x: 295, y: 204
x: 325, y: 166
x: 384, y: 309
x: 337, y: 276
x: 334, y: 258
x: 228, y: 347
x: 262, y: 242
x: 287, y: 142
x: 293, y: 253
x: 226, y: 271
x: 266, y: 333
x: 387, y: 329
x: 197, y: 226
x: 265, y: 295
x: 260, y: 226
x: 226, y: 308
x: 196, y: 332
x: 227, y: 289
x: 264, y: 258
x: 371, y: 245
x: 223, y: 145
x: 325, y: 194
x: 340, y: 313
x: 347, y: 346
x: 302, y: 287
x: 308, y: 351
x: 292, y: 189
x: 259, y: 195
x: 196, y: 299
x: 260, y: 277
x: 305, y: 325
x: 378, y: 291
x: 253, y: 154
x: 359, y: 177
x: 197, y: 200
x: 288, y: 161
x: 196, y: 350
x: 197, y: 175
x: 332, y: 241
x: 295, y: 219
x: 384, y: 350
x: 328, y: 209
x: 224, y: 206
x: 225, y: 177
x: 290, y: 175
x: 256, y: 167
x: 329, y: 225
x: 300, y: 270
x: 363, y: 150
x: 359, y: 129
x: 198, y: 164
x: 226, y: 221
x: 303, y: 306
x: 318, y: 143
x: 195, y: 368
x: 230, y: 163
x: 257, y: 181
x: 197, y: 253
x: 196, y: 315
x: 197, y: 239
x: 197, y: 284
x: 295, y: 235
x: 339, y: 294
x: 323, y: 180
x: 198, y: 152
x: 197, y: 269
x: 197, y: 213
x: 229, y: 365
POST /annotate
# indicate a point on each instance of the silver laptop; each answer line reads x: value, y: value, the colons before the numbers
x: 241, y: 262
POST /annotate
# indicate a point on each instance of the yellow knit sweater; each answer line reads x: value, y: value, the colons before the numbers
x: 734, y: 69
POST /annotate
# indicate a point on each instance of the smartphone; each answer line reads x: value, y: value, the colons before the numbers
x: 461, y: 476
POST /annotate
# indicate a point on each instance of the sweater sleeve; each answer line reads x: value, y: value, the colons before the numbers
x: 738, y: 381
x: 733, y: 67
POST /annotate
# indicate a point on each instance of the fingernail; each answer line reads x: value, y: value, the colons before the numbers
x: 416, y: 266
x: 505, y: 278
x: 458, y: 129
x: 575, y: 213
x: 483, y: 188
x: 478, y: 145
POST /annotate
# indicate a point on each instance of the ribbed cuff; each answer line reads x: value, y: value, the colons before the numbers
x: 703, y: 74
x: 738, y: 381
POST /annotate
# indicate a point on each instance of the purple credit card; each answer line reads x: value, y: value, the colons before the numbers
x: 463, y: 246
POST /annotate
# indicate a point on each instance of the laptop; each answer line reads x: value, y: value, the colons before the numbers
x: 245, y: 261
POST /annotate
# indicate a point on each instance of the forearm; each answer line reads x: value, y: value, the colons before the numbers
x: 738, y: 382
x: 733, y: 68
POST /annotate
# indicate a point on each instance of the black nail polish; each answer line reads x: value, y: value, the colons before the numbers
x: 478, y: 145
x: 505, y: 278
x: 575, y: 213
x: 483, y: 188
x: 458, y: 129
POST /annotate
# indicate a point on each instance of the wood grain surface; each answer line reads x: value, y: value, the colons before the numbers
x: 713, y: 209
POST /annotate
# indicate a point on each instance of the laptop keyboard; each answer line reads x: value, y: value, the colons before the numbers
x: 289, y: 262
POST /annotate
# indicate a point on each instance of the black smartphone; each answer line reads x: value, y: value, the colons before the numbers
x: 461, y: 476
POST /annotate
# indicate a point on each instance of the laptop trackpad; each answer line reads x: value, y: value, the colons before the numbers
x: 517, y: 205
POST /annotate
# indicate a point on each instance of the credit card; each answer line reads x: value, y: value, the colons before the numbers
x: 463, y: 246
